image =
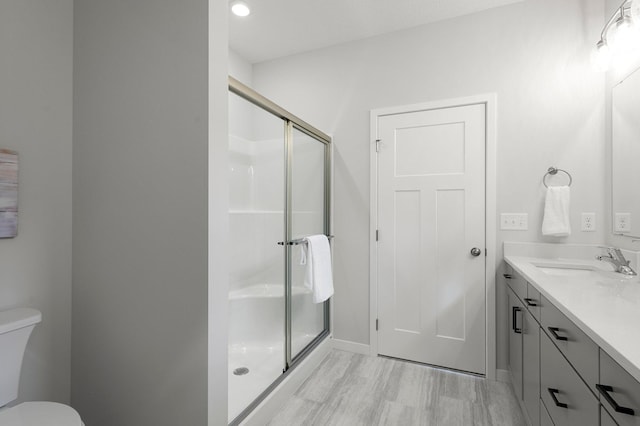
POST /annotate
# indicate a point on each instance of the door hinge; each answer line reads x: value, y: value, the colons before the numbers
x: 376, y: 324
x: 377, y: 235
x: 377, y: 145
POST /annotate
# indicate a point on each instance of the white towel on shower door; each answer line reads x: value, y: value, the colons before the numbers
x: 556, y: 212
x: 318, y: 275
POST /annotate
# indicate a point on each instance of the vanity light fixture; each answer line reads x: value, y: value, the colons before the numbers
x: 620, y: 35
x: 601, y: 56
x: 635, y: 12
x: 623, y: 36
x: 240, y: 8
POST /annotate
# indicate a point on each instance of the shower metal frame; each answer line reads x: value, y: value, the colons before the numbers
x: 291, y: 122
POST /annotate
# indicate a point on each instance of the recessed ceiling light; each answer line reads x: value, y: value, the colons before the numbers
x: 240, y: 8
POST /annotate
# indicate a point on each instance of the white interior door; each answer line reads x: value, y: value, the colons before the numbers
x: 431, y: 217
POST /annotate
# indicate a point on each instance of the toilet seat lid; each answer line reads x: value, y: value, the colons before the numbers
x: 40, y: 413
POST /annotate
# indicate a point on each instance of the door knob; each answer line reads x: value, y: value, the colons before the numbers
x: 476, y: 251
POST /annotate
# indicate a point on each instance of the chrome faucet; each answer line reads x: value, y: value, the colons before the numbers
x: 616, y: 258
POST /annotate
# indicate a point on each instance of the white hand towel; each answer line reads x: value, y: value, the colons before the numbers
x: 556, y: 212
x: 318, y: 274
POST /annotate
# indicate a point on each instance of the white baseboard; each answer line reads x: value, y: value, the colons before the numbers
x: 345, y: 345
x: 285, y: 390
x: 503, y: 376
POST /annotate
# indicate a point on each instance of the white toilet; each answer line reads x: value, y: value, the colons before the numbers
x: 15, y: 328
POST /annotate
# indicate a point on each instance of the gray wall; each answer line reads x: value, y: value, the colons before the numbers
x: 218, y: 211
x: 36, y: 45
x: 139, y: 350
x: 534, y: 55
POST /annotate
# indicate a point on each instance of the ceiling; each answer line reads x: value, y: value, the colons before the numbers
x: 278, y: 28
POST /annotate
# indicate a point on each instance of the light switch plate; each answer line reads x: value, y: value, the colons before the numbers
x: 514, y: 221
x: 622, y: 222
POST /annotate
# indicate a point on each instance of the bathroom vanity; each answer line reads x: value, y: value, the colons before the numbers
x: 574, y: 338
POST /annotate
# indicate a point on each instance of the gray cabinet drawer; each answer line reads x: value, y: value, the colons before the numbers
x: 517, y: 283
x: 579, y: 349
x: 622, y: 389
x: 574, y: 404
x: 545, y: 419
x: 605, y: 418
x: 532, y: 302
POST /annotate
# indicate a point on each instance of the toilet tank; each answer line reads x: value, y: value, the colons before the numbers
x: 15, y: 328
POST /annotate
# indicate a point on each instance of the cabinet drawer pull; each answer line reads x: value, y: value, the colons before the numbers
x: 514, y: 319
x: 554, y: 333
x: 507, y: 276
x: 553, y: 393
x: 604, y: 391
x: 530, y: 302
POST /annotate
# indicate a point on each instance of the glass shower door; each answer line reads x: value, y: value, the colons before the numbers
x: 308, y: 216
x: 279, y: 192
x: 256, y: 272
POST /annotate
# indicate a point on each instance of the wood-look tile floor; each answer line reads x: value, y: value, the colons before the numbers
x: 351, y: 389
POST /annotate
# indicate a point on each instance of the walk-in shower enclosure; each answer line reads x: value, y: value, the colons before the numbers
x: 279, y: 193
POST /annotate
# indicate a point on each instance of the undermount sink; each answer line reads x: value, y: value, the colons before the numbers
x: 569, y: 271
x: 563, y: 271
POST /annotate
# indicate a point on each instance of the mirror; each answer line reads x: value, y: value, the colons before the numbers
x: 626, y: 156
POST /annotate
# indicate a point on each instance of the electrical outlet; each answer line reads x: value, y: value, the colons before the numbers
x: 588, y: 222
x: 514, y: 221
x: 622, y: 222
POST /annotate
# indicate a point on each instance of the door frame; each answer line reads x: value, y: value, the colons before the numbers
x: 489, y: 101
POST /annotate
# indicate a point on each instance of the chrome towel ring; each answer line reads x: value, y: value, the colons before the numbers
x: 554, y: 171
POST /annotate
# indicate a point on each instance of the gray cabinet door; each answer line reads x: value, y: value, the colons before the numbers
x: 563, y: 392
x: 622, y: 389
x: 531, y: 367
x: 516, y: 311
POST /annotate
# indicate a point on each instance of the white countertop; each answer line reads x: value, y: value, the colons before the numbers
x: 607, y: 309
